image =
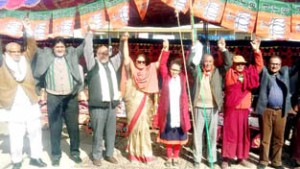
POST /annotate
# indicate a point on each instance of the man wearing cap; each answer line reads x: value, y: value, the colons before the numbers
x: 208, y: 96
x: 273, y: 106
x: 239, y: 81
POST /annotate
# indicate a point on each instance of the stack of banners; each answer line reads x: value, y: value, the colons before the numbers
x: 11, y: 23
x: 63, y: 22
x: 240, y: 15
x: 142, y: 6
x: 274, y: 20
x: 118, y: 12
x: 209, y: 10
x: 295, y: 35
x: 180, y: 5
x: 93, y: 13
x: 40, y: 22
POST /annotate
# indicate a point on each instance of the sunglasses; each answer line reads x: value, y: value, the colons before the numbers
x: 141, y: 62
x: 175, y: 70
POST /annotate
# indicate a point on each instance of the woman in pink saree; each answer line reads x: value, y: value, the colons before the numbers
x: 141, y: 84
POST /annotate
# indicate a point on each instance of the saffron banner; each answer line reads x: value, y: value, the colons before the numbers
x: 40, y: 22
x: 209, y: 10
x: 63, y: 22
x: 11, y: 23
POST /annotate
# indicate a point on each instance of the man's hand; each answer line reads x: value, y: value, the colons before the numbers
x: 255, y: 44
x: 222, y: 44
x: 125, y: 36
x: 26, y: 24
x: 166, y: 45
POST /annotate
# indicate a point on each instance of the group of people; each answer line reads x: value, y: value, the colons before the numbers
x: 225, y: 88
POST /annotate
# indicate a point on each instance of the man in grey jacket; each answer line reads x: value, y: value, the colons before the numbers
x: 208, y: 96
x: 104, y: 96
x: 274, y: 102
x: 58, y: 72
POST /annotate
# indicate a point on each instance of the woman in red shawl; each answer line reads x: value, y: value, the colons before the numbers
x: 239, y: 81
x: 172, y: 118
x: 141, y: 84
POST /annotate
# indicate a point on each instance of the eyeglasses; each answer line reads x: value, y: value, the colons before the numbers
x: 141, y: 62
x: 14, y: 52
x: 102, y: 53
x: 175, y: 70
x: 275, y: 64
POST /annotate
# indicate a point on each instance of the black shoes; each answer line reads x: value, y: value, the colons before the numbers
x: 37, y: 162
x: 55, y: 162
x: 76, y: 158
x: 17, y: 165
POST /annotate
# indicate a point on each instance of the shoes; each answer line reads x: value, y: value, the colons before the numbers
x: 261, y: 166
x: 224, y: 165
x: 111, y: 160
x: 279, y: 167
x: 196, y: 165
x: 76, y: 158
x: 55, y: 162
x: 175, y: 162
x: 97, y: 162
x: 17, y: 165
x: 168, y: 163
x: 37, y: 162
x: 244, y: 163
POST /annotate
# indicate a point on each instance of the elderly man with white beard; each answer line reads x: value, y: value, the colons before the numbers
x: 18, y: 100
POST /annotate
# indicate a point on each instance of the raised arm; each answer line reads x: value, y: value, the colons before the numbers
x: 195, y: 56
x: 165, y: 47
x: 225, y: 53
x: 116, y: 60
x: 164, y: 56
x: 31, y: 43
x: 88, y: 50
x: 127, y: 59
x: 259, y: 62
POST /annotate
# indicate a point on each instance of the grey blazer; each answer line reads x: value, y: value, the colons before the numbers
x: 45, y: 58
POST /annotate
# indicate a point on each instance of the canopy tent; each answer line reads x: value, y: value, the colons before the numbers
x: 62, y: 17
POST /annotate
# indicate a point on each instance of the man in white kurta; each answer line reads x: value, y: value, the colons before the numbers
x: 18, y: 101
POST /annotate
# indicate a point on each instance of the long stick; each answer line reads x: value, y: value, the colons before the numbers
x: 185, y: 70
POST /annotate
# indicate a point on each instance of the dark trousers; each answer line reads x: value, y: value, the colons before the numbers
x: 63, y: 107
x: 273, y: 125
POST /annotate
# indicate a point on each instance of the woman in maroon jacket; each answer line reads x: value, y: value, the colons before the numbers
x: 173, y: 118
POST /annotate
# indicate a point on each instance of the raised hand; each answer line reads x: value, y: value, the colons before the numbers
x: 166, y: 44
x: 125, y: 36
x: 255, y: 44
x: 26, y: 23
x: 222, y: 44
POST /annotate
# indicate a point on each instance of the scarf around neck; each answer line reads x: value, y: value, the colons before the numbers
x: 18, y: 69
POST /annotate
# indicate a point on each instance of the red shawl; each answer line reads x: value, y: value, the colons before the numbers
x: 235, y: 91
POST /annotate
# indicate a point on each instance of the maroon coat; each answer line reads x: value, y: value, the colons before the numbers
x: 163, y: 105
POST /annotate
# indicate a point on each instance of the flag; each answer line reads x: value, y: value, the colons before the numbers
x: 94, y: 12
x: 181, y: 5
x: 63, y: 22
x: 142, y: 6
x: 11, y: 23
x: 274, y: 19
x: 40, y: 22
x: 240, y: 15
x: 118, y: 12
x: 209, y: 10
